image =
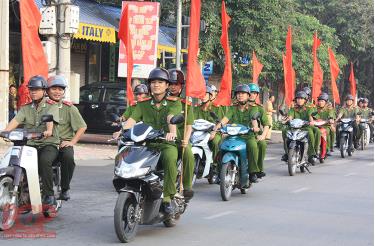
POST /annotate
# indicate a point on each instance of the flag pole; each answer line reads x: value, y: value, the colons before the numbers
x: 183, y: 148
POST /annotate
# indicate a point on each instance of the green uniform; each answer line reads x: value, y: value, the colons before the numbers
x: 70, y: 121
x: 188, y: 158
x: 128, y: 112
x: 150, y: 114
x: 351, y: 112
x: 256, y: 150
x: 325, y: 114
x: 201, y: 113
x: 304, y: 113
x: 30, y: 116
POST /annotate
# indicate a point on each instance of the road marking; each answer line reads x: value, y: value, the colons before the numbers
x: 301, y: 190
x: 350, y: 174
x: 219, y: 215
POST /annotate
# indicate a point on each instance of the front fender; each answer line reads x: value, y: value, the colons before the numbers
x: 230, y: 157
x: 197, y: 151
x: 292, y: 145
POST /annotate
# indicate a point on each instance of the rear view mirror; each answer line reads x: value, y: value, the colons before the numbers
x: 47, y: 118
x: 281, y: 112
x: 256, y: 116
x: 177, y: 119
x: 214, y: 116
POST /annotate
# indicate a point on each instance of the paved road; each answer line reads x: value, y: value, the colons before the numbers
x: 334, y: 205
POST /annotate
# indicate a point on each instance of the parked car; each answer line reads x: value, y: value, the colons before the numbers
x: 98, y: 102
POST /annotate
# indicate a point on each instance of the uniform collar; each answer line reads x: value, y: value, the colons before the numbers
x: 163, y: 102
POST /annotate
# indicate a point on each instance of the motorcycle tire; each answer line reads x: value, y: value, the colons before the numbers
x: 197, y: 161
x: 225, y: 181
x: 363, y: 141
x: 170, y: 222
x: 302, y: 169
x: 126, y: 225
x: 293, y: 157
x: 342, y: 147
x: 9, y: 210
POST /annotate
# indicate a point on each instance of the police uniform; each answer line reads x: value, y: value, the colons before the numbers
x: 129, y: 110
x: 256, y: 150
x: 70, y: 121
x: 201, y: 113
x: 150, y: 114
x: 351, y: 112
x: 303, y: 113
x: 326, y: 114
x: 30, y: 116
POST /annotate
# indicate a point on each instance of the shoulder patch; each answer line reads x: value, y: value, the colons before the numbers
x: 145, y: 99
x: 171, y: 98
x: 67, y: 103
x: 49, y: 101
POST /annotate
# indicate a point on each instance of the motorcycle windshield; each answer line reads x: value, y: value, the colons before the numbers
x: 202, y: 125
x: 297, y: 123
x: 235, y: 129
x: 139, y: 155
x: 346, y: 120
x: 198, y: 136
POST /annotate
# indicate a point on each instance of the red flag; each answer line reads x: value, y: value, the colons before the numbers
x: 195, y: 83
x: 124, y: 35
x: 353, y: 83
x: 317, y: 81
x: 33, y: 58
x: 224, y: 96
x: 335, y: 70
x: 257, y: 68
x: 289, y: 74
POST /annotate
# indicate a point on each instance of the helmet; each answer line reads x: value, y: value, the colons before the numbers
x: 141, y: 89
x: 38, y: 82
x: 254, y: 88
x: 242, y: 88
x: 301, y: 94
x: 323, y: 96
x: 307, y: 90
x: 158, y: 73
x: 365, y: 100
x: 176, y: 76
x: 57, y: 80
x: 213, y: 88
x: 349, y: 97
x: 209, y: 90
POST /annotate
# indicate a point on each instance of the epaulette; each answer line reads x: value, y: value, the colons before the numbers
x: 183, y: 100
x: 171, y: 98
x: 144, y: 99
x: 49, y: 101
x: 67, y: 103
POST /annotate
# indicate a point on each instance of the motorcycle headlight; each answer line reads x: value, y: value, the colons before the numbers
x: 131, y: 170
x: 16, y: 136
x: 289, y: 134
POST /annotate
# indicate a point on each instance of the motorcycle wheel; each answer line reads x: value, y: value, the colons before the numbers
x: 342, y: 147
x: 126, y: 224
x: 293, y: 157
x: 363, y: 141
x: 197, y: 160
x: 302, y: 169
x: 8, y: 209
x: 170, y: 222
x: 225, y: 181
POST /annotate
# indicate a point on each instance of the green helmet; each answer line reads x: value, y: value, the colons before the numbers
x: 254, y: 88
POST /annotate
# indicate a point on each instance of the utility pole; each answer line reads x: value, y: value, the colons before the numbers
x: 178, y: 36
x: 63, y: 44
x: 4, y: 63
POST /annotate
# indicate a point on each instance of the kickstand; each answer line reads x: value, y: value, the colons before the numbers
x: 306, y: 167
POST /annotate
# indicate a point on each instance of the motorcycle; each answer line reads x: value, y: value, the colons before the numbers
x: 346, y: 137
x: 365, y: 138
x: 234, y: 164
x: 138, y: 179
x: 19, y: 178
x: 202, y: 154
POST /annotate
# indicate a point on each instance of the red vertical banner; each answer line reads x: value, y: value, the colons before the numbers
x: 353, y: 83
x: 124, y: 35
x: 335, y: 70
x: 224, y: 96
x: 257, y: 68
x: 33, y: 58
x: 195, y: 83
x: 317, y: 81
x: 289, y: 74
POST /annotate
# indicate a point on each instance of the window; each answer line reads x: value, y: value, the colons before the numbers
x: 115, y: 96
x: 89, y: 95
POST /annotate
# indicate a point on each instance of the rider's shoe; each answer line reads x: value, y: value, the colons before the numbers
x: 253, y: 178
x: 284, y: 157
x: 64, y: 195
x: 217, y: 179
x: 313, y: 160
x: 328, y: 153
x: 188, y: 194
x: 49, y: 200
x: 260, y: 175
x: 168, y: 209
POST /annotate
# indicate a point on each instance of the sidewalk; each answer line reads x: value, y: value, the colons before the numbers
x: 96, y: 146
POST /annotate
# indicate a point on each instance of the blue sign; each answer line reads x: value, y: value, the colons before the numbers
x: 208, y: 68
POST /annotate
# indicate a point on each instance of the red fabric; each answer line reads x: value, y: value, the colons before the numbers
x: 124, y: 35
x: 195, y: 83
x: 23, y: 95
x: 317, y: 81
x: 33, y: 58
x: 257, y: 68
x: 352, y: 81
x: 289, y: 73
x: 224, y: 96
x: 335, y: 70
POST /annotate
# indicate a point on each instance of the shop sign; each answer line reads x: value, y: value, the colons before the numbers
x: 96, y: 33
x: 144, y: 30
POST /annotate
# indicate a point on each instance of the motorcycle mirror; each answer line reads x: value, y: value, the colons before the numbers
x: 256, y: 116
x: 281, y: 112
x: 47, y: 118
x: 213, y: 115
x: 177, y: 119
